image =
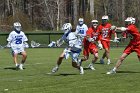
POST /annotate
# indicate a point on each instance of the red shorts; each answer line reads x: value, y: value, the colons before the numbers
x: 132, y: 48
x: 90, y: 49
x: 106, y: 44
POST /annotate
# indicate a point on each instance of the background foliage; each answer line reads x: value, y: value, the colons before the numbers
x: 51, y: 14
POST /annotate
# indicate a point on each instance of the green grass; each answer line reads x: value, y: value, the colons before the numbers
x: 34, y: 78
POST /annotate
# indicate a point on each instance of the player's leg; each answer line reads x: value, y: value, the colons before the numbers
x: 75, y: 63
x: 137, y: 50
x: 86, y: 56
x: 24, y: 56
x: 107, y: 51
x: 15, y: 56
x: 104, y: 54
x: 59, y: 61
x: 94, y: 51
x: 119, y: 62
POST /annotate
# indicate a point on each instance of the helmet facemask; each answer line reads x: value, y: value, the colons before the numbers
x: 95, y: 24
x: 81, y: 21
x: 17, y: 26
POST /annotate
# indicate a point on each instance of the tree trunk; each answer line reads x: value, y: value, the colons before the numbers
x: 92, y: 7
x: 123, y: 11
x: 75, y: 11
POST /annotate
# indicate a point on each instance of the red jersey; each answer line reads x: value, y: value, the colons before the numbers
x: 90, y: 47
x: 133, y: 31
x: 105, y: 31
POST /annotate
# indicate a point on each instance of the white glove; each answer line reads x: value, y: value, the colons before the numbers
x: 52, y: 44
x: 113, y: 27
x: 116, y: 40
x: 26, y: 45
x: 8, y: 44
x: 123, y: 29
x: 66, y: 53
x: 90, y: 39
x: 100, y: 46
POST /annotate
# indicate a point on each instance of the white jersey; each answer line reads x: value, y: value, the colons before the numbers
x: 73, y: 42
x: 17, y: 39
x: 81, y: 30
x: 75, y: 45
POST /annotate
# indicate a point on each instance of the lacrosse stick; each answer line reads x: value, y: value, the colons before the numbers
x: 34, y: 44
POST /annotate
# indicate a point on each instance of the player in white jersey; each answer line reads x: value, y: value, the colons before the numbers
x: 16, y: 41
x: 73, y: 49
x: 81, y: 28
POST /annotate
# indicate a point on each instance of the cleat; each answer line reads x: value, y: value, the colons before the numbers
x: 20, y: 67
x: 111, y: 72
x: 55, y: 69
x: 17, y: 67
x: 91, y: 67
x: 102, y: 61
x: 81, y: 70
x: 108, y: 63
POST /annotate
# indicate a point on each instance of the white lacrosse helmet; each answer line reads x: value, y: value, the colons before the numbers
x: 95, y: 23
x: 66, y: 27
x: 81, y: 21
x: 133, y: 20
x: 17, y: 26
x: 105, y: 17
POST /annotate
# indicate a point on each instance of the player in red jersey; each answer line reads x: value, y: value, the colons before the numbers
x: 106, y: 31
x: 92, y: 35
x: 133, y: 46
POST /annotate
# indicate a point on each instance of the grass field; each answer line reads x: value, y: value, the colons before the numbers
x: 34, y: 78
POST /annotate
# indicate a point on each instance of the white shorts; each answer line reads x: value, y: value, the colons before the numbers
x: 17, y: 50
x: 74, y: 56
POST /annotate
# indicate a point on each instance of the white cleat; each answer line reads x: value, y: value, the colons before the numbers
x: 81, y: 70
x: 91, y: 67
x: 102, y: 61
x: 20, y: 67
x: 108, y: 63
x: 111, y: 72
x: 55, y: 69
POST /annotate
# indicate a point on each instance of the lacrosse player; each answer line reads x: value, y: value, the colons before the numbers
x: 16, y: 41
x: 106, y: 31
x: 133, y: 46
x: 92, y: 35
x: 73, y: 49
x: 81, y: 28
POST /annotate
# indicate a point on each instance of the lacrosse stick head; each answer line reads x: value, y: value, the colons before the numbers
x: 34, y: 44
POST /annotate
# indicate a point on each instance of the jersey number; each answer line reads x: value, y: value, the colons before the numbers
x: 18, y: 40
x: 81, y: 31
